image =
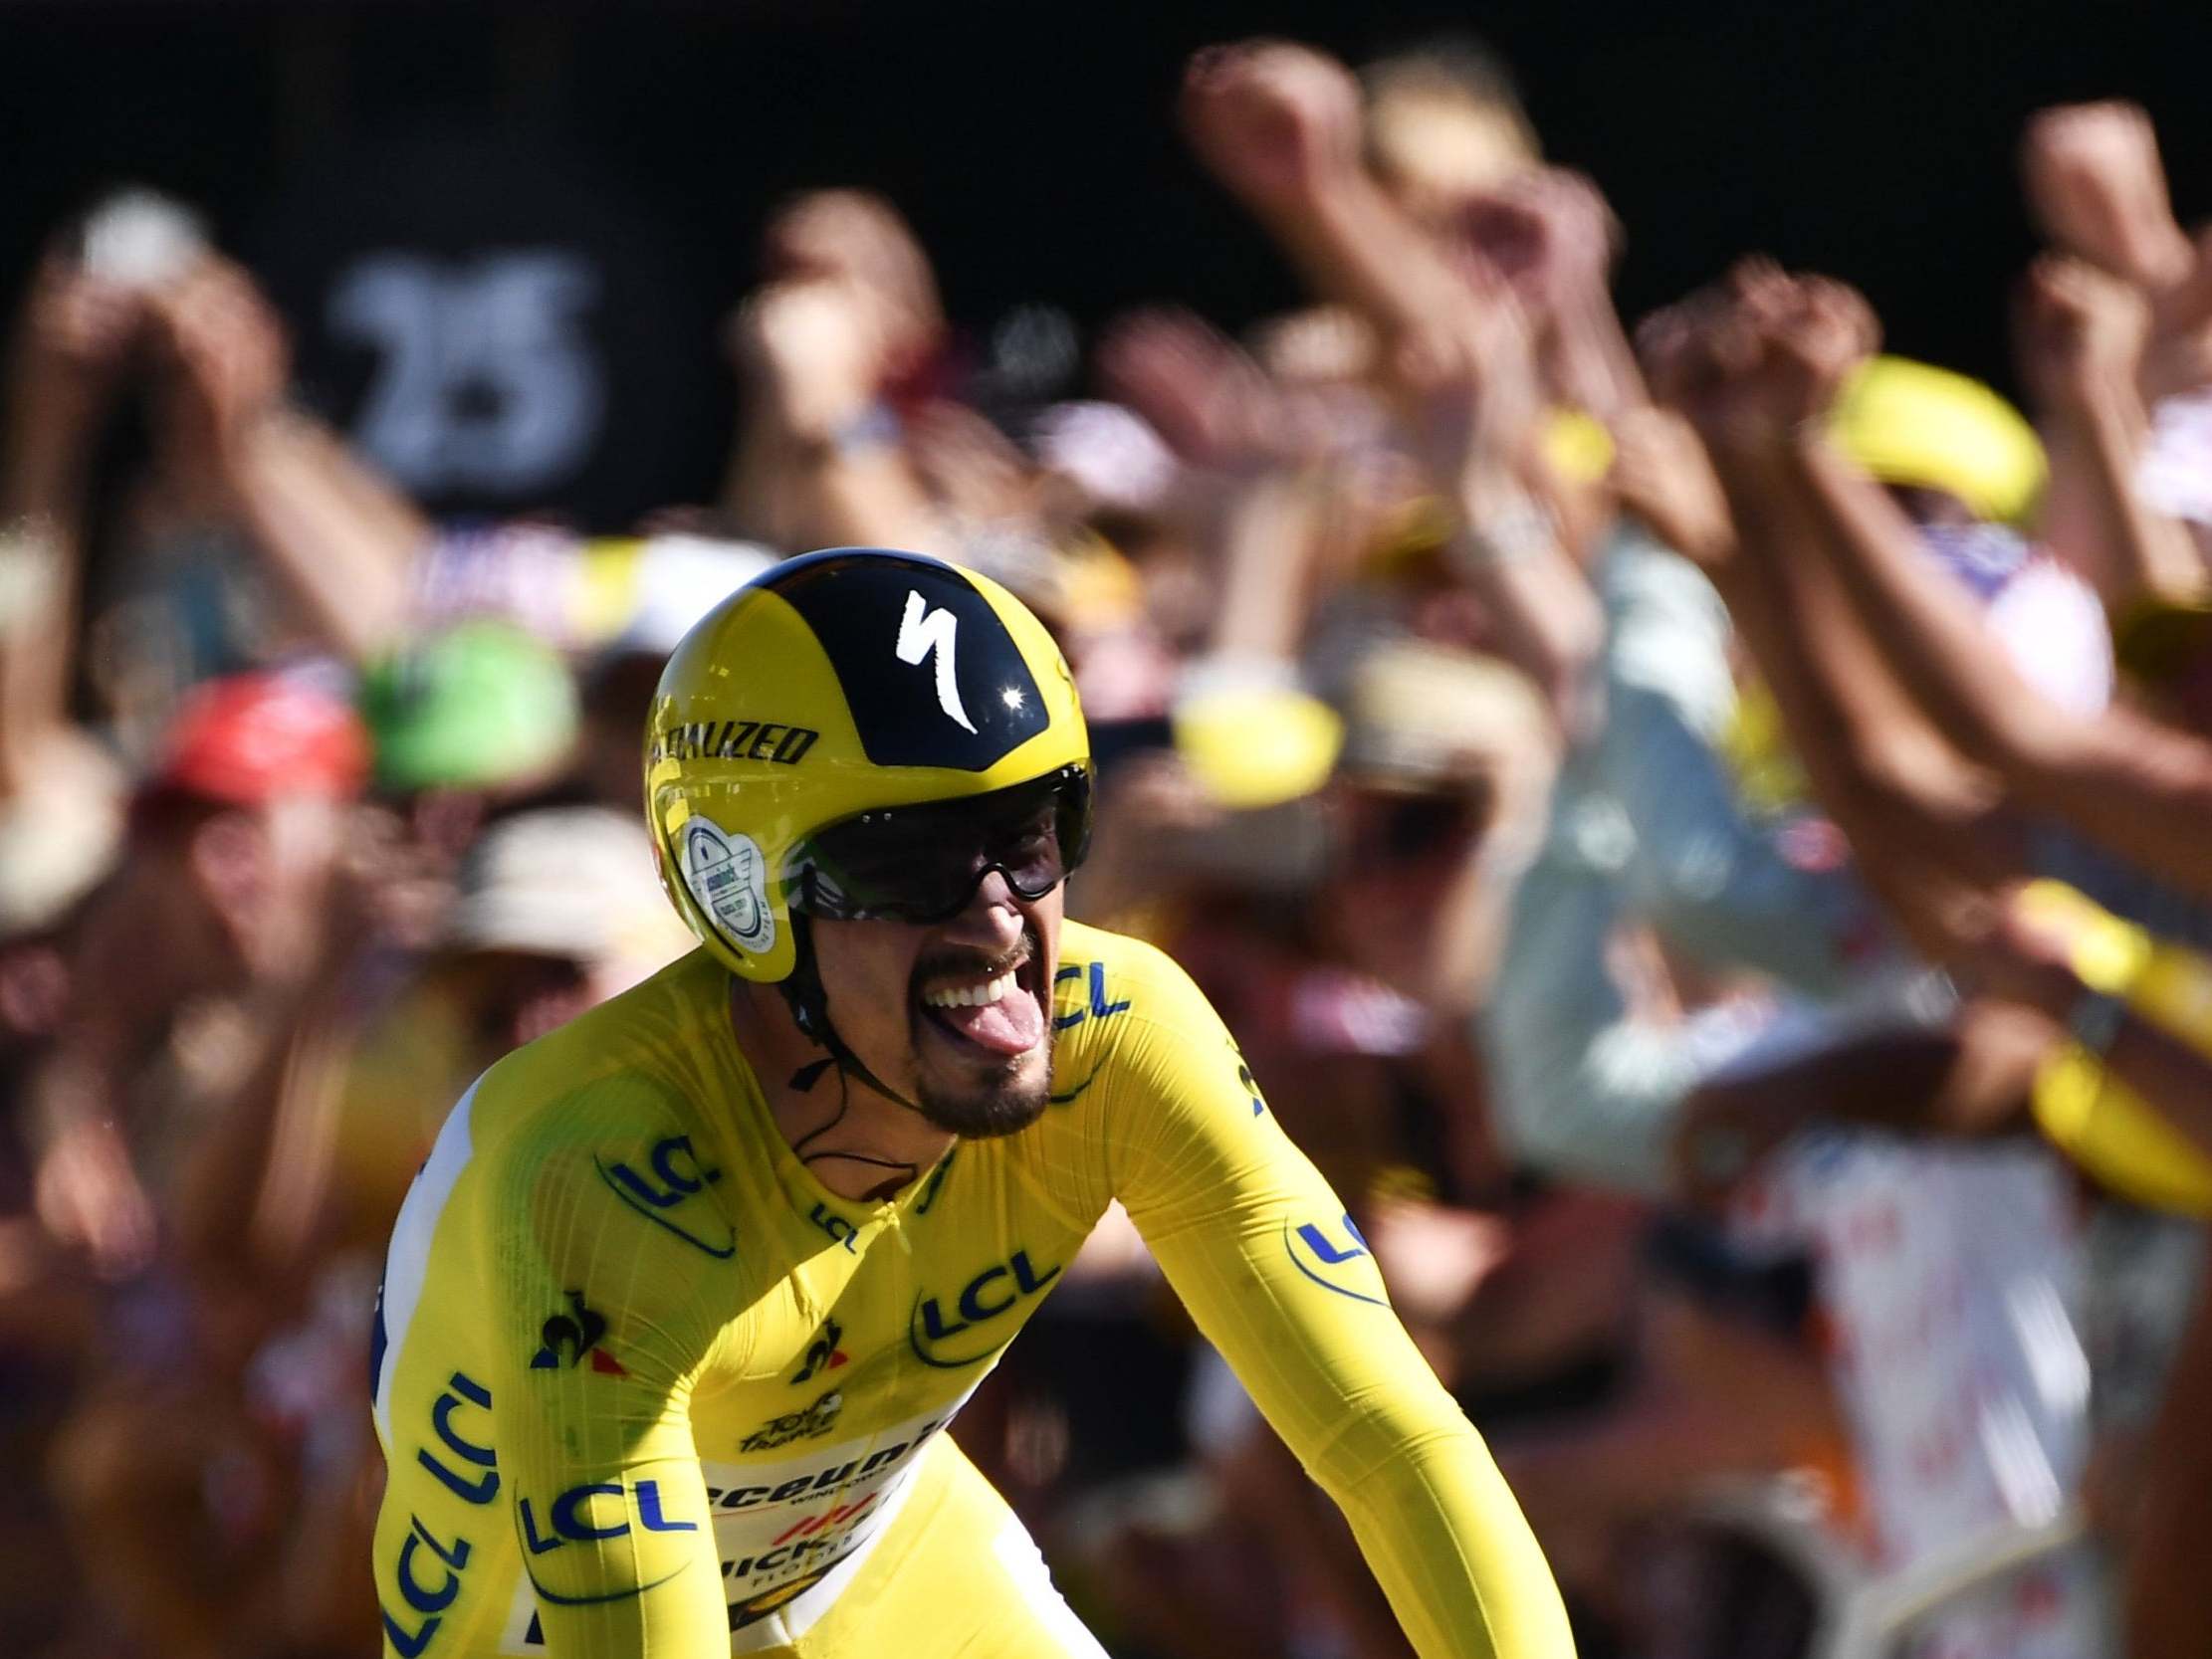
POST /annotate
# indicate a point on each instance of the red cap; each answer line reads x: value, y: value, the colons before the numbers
x: 253, y: 738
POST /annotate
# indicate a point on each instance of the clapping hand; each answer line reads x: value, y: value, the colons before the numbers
x: 1276, y: 124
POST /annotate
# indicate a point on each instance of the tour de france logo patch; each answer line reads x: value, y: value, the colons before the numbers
x: 728, y: 878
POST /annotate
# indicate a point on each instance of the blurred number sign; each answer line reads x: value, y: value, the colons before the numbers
x: 485, y: 379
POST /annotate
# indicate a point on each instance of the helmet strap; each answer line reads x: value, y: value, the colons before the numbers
x: 808, y: 1001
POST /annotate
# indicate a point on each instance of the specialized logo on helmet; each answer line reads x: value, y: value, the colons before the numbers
x: 728, y: 877
x: 929, y: 672
x: 922, y: 632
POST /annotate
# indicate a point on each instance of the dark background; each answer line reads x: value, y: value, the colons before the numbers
x: 1033, y: 148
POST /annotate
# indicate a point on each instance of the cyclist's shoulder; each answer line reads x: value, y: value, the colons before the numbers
x: 1125, y: 1001
x: 633, y: 1065
x: 1104, y: 974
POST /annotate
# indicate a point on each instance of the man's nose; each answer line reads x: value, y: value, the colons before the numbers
x: 992, y: 918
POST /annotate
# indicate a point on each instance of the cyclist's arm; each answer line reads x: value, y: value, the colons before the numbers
x: 603, y: 1328
x: 1264, y: 1254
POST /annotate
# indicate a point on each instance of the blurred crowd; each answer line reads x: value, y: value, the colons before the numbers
x: 1699, y: 830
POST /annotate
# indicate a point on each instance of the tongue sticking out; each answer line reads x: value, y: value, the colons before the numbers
x: 1012, y: 1025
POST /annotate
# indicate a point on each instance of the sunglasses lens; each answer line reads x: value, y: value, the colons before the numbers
x: 923, y: 863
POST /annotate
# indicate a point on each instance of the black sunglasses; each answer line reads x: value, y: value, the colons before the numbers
x: 922, y: 864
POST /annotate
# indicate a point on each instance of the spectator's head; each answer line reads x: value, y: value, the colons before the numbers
x: 1445, y: 122
x: 1435, y: 741
x: 554, y: 909
x: 234, y: 837
x: 672, y: 580
x: 480, y: 711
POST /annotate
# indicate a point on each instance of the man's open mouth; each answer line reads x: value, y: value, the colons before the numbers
x: 991, y: 1007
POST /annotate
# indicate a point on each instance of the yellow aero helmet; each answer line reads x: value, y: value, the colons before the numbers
x: 825, y: 731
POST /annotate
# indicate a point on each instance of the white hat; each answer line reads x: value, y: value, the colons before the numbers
x: 679, y: 580
x: 566, y: 881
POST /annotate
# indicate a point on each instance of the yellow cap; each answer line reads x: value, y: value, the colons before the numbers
x: 1915, y: 424
x: 1257, y: 745
x: 1577, y: 446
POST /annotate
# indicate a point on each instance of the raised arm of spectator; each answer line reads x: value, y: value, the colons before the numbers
x: 1915, y: 817
x: 818, y: 459
x: 254, y: 1186
x: 1914, y: 813
x: 2082, y: 334
x: 1281, y: 126
x: 849, y: 309
x: 61, y: 370
x: 1278, y: 125
x: 1590, y: 362
x: 1508, y: 549
x: 2031, y: 958
x: 2142, y: 787
x: 340, y: 542
x: 2095, y: 186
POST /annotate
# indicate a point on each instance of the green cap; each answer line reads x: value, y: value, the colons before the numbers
x: 481, y: 705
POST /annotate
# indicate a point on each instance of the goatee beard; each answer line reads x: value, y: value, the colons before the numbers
x: 990, y: 1110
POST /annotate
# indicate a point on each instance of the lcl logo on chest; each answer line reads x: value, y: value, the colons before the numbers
x: 990, y: 1292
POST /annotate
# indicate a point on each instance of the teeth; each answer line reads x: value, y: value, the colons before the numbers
x: 971, y: 996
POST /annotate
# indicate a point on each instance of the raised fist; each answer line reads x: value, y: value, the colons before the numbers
x: 234, y: 359
x: 71, y: 338
x: 1548, y: 232
x: 857, y: 237
x: 1755, y: 358
x: 2095, y: 186
x: 2080, y: 333
x: 1275, y: 122
x: 1209, y: 401
x: 816, y: 347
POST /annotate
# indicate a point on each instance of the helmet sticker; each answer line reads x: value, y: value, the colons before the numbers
x: 728, y: 877
x: 928, y: 671
x: 923, y: 631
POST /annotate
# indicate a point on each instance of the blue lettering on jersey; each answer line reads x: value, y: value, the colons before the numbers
x: 1322, y: 1252
x: 836, y: 1226
x: 409, y: 1643
x: 679, y: 1171
x: 982, y: 1298
x: 430, y: 1600
x: 572, y: 1526
x: 432, y: 1603
x: 1068, y: 971
x: 1099, y: 1008
x: 680, y: 1176
x: 460, y: 1389
x: 568, y: 1513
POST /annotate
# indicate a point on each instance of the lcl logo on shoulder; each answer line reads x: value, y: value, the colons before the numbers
x: 676, y: 1174
x: 1335, y: 1255
x: 949, y: 1338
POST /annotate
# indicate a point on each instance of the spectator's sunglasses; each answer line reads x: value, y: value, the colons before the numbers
x: 1416, y: 828
x: 922, y: 864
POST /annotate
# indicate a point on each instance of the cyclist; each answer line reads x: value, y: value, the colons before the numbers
x: 677, y: 1311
